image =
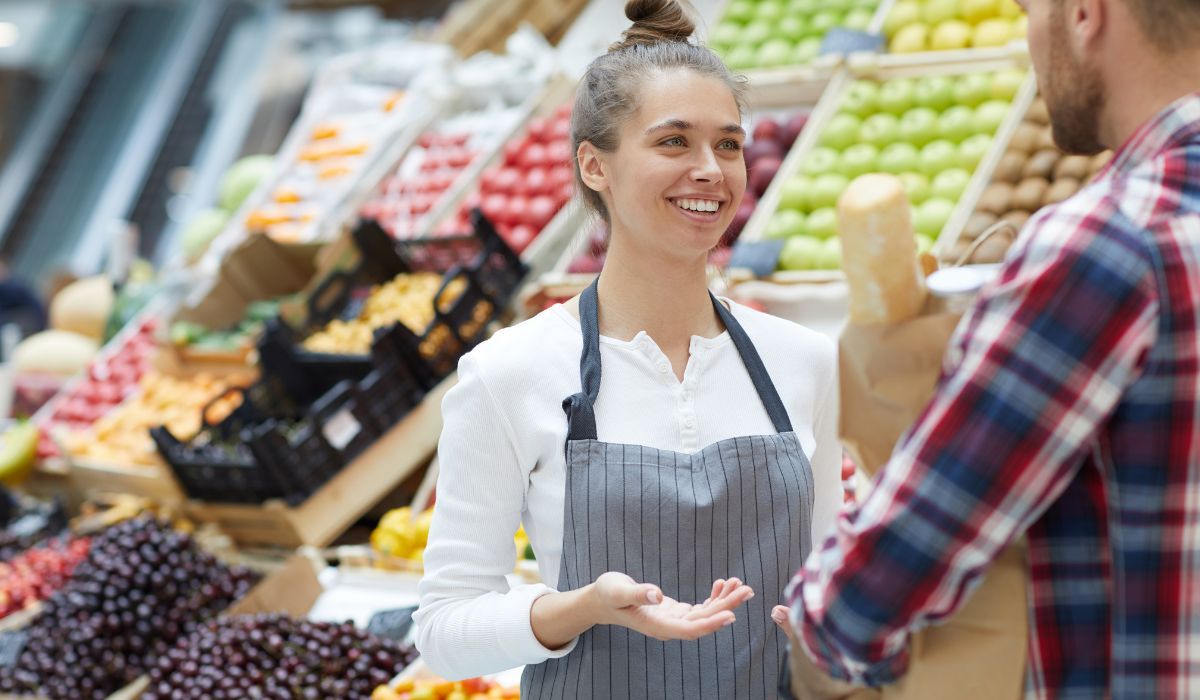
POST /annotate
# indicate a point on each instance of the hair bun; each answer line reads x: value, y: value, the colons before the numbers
x: 655, y: 22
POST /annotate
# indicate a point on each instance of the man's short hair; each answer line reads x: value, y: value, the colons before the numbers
x: 1172, y: 24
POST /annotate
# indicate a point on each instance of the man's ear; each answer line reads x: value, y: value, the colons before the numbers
x: 591, y: 167
x: 1086, y: 21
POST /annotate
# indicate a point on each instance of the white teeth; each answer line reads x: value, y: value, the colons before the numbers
x: 703, y: 205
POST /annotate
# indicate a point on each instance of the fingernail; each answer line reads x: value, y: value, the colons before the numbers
x: 650, y: 597
x: 779, y: 616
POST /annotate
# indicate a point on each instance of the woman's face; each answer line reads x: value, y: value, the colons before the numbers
x: 678, y: 175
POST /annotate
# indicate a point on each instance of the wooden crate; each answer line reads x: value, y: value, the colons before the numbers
x: 338, y: 504
x: 881, y: 67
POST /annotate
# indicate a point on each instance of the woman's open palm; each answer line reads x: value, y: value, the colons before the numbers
x: 642, y: 607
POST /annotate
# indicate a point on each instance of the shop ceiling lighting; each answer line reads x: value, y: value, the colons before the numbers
x: 9, y: 34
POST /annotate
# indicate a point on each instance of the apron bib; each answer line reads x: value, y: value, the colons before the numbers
x: 739, y: 507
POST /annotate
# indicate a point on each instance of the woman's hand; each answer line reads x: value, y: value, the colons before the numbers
x: 616, y: 599
x: 642, y: 607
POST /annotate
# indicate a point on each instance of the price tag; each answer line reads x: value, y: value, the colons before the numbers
x: 11, y: 645
x: 341, y: 429
x: 846, y: 41
x: 760, y: 257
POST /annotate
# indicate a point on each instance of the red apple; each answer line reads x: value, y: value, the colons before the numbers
x: 512, y: 151
x: 791, y: 130
x: 494, y: 206
x: 762, y: 172
x: 516, y: 212
x: 766, y: 130
x: 507, y: 179
x: 520, y: 237
x: 759, y: 150
x: 563, y: 111
x: 541, y: 210
x: 559, y: 153
x: 539, y: 129
x: 537, y: 181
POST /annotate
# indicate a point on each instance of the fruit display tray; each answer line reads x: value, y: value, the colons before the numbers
x: 414, y: 68
x: 946, y: 55
x: 345, y: 498
x: 883, y: 68
x: 544, y: 251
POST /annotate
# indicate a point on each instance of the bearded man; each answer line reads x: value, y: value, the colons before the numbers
x: 1069, y: 407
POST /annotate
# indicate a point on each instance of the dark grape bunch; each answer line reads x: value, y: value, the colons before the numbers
x: 276, y: 656
x: 142, y: 586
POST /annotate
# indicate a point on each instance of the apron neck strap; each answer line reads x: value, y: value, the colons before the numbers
x: 580, y: 408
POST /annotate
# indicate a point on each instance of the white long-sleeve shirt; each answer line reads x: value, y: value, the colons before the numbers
x: 502, y: 459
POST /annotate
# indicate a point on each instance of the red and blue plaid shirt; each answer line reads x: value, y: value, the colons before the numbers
x: 1068, y: 411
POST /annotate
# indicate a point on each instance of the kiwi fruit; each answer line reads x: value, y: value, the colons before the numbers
x: 1041, y: 164
x: 979, y: 222
x: 1100, y: 160
x: 1038, y: 113
x: 992, y: 250
x: 1062, y: 188
x: 996, y: 199
x: 1010, y: 167
x: 1073, y: 167
x: 1030, y: 193
x: 957, y: 250
x: 1017, y: 217
x: 1045, y: 140
x: 1025, y: 138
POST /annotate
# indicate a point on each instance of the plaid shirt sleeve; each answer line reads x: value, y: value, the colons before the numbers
x: 1034, y: 370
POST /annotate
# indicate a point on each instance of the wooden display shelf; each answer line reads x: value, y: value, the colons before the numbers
x: 479, y: 25
x: 326, y: 514
x: 883, y: 68
x: 154, y: 482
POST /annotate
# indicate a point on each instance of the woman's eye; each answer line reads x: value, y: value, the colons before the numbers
x: 731, y: 145
x: 673, y: 141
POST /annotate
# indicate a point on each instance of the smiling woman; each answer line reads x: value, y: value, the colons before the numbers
x: 674, y: 499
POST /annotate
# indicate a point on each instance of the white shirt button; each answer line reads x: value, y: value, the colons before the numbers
x: 663, y: 367
x: 689, y: 423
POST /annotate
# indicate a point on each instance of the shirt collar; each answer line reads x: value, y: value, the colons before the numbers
x: 1179, y: 121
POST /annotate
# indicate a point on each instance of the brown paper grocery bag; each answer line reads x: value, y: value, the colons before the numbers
x: 887, y: 374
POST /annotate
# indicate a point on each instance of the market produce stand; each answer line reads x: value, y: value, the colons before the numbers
x: 347, y: 496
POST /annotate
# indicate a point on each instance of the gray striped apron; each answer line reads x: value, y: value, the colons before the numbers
x: 740, y: 507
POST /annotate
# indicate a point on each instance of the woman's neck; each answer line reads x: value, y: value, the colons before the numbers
x: 641, y: 290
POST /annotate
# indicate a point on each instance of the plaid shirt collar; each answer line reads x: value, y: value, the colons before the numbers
x: 1177, y: 123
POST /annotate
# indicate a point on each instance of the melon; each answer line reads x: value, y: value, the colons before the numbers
x: 201, y: 230
x: 56, y: 352
x: 242, y: 178
x: 83, y: 307
x: 18, y: 449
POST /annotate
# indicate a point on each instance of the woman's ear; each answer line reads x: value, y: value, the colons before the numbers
x: 591, y: 167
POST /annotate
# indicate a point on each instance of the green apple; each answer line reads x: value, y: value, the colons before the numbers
x: 841, y: 132
x: 785, y: 223
x: 819, y: 161
x: 956, y: 124
x: 858, y: 19
x: 935, y: 92
x: 859, y: 159
x: 975, y: 11
x: 1006, y: 84
x: 902, y: 14
x: 932, y: 215
x: 726, y: 33
x: 924, y: 243
x: 826, y: 189
x: 972, y: 89
x: 824, y: 21
x: 949, y: 35
x: 823, y: 223
x: 796, y: 193
x: 756, y: 33
x: 880, y: 129
x: 972, y: 151
x: 899, y: 158
x: 769, y: 11
x: 793, y: 28
x: 862, y: 99
x: 919, y: 126
x: 950, y: 184
x: 896, y: 96
x: 911, y: 38
x: 938, y: 11
x: 799, y: 253
x: 775, y: 52
x: 916, y: 186
x: 839, y: 6
x: 742, y: 56
x: 937, y: 156
x: 741, y: 11
x: 1009, y: 9
x: 830, y: 257
x: 806, y: 50
x: 992, y: 32
x: 803, y: 7
x: 990, y: 115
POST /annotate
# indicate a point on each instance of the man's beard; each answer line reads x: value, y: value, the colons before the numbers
x: 1074, y: 98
